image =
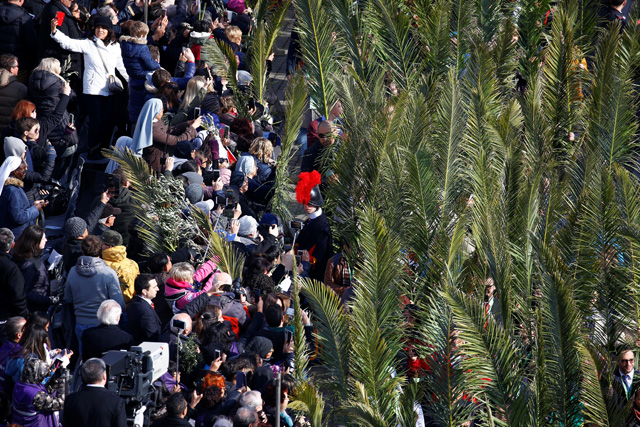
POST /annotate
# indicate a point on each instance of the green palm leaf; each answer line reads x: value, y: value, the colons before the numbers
x: 318, y: 51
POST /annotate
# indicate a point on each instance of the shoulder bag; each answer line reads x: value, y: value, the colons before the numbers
x: 113, y: 83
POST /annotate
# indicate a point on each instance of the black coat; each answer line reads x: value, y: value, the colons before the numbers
x: 94, y: 407
x: 13, y: 301
x: 11, y: 92
x: 171, y: 422
x: 48, y: 47
x: 45, y: 91
x: 316, y: 238
x: 18, y: 34
x: 35, y: 7
x: 144, y: 323
x: 101, y: 338
x: 124, y: 201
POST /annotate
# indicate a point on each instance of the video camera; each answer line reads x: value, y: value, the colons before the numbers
x: 131, y: 374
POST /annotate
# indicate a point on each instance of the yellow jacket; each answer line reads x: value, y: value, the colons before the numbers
x: 126, y: 269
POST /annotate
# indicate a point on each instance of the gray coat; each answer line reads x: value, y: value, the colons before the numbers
x: 90, y: 282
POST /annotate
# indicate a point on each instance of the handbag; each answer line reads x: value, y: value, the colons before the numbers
x: 113, y: 83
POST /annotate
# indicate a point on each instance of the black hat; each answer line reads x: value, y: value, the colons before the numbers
x: 110, y: 211
x: 102, y: 21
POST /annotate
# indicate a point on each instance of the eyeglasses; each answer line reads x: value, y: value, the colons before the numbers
x: 627, y: 361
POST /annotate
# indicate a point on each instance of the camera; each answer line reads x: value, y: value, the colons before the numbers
x: 228, y: 210
x: 238, y: 290
x: 131, y: 374
x: 179, y: 324
x: 295, y: 225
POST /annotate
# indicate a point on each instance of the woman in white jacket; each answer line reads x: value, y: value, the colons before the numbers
x: 102, y: 56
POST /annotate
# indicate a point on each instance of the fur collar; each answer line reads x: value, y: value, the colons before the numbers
x: 134, y: 40
x: 14, y: 181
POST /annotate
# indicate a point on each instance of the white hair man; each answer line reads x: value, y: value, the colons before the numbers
x: 253, y: 400
x: 107, y: 336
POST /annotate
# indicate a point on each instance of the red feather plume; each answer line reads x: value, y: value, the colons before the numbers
x: 306, y: 182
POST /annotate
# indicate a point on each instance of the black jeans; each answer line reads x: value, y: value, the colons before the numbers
x: 100, y: 121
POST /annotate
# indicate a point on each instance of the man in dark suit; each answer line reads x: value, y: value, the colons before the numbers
x: 626, y: 379
x: 144, y: 322
x: 107, y: 336
x: 94, y: 405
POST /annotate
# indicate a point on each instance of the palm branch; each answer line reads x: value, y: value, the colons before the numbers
x: 160, y: 203
x: 296, y: 97
x: 318, y: 52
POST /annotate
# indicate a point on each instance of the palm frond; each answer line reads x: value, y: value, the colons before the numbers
x: 564, y: 78
x: 219, y: 56
x: 350, y: 34
x: 221, y: 251
x: 308, y: 399
x: 318, y: 52
x: 612, y: 122
x: 160, y: 203
x: 262, y: 41
x: 332, y: 332
x: 492, y: 360
x: 394, y: 43
x: 375, y: 315
x: 296, y: 99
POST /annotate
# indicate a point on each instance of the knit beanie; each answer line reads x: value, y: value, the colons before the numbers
x: 194, y: 193
x: 75, y: 227
x: 193, y: 177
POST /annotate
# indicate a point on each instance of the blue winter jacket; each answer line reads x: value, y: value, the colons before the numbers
x: 16, y: 212
x: 137, y: 59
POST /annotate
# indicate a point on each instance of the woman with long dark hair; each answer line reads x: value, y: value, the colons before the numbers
x: 27, y: 255
x: 102, y: 56
x: 35, y: 344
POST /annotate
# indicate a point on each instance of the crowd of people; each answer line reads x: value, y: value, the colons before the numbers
x: 78, y: 77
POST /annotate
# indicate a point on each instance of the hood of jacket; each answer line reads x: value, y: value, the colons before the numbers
x: 44, y: 81
x: 44, y: 90
x: 114, y: 254
x: 6, y: 77
x: 180, y: 285
x: 133, y: 40
x: 9, y: 13
x: 88, y: 266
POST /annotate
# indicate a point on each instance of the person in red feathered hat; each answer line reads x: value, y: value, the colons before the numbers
x: 315, y: 236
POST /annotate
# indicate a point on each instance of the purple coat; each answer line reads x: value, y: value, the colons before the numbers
x: 7, y: 350
x: 24, y: 413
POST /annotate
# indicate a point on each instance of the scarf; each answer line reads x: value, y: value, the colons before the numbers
x: 143, y: 135
x: 10, y: 164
